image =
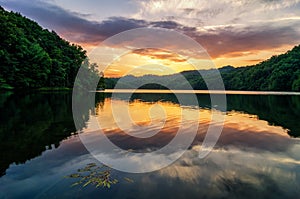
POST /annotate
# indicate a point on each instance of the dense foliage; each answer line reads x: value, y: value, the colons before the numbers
x: 33, y: 57
x: 279, y: 73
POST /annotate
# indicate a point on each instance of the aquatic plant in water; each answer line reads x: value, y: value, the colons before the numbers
x: 99, y: 176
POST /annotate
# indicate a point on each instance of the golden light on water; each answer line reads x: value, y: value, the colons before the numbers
x: 153, y: 115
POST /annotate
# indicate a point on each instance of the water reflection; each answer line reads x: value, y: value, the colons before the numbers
x: 243, y: 129
x: 31, y: 123
x: 278, y: 110
x: 256, y: 156
x: 252, y: 159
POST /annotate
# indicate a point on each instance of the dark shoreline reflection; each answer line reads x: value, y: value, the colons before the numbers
x: 31, y: 123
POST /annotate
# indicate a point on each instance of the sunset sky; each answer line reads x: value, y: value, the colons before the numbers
x: 233, y: 32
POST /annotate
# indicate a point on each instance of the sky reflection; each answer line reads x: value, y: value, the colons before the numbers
x: 252, y: 158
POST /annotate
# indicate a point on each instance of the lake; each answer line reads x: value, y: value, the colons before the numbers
x: 256, y: 156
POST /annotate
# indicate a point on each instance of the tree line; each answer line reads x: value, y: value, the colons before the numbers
x: 33, y: 57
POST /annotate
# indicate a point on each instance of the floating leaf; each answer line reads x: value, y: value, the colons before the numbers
x: 88, y: 182
x: 76, y: 183
x: 91, y: 164
x: 99, y: 176
x: 128, y: 180
x: 74, y: 175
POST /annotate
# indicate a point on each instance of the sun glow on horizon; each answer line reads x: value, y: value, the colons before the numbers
x: 148, y: 62
x: 161, y: 62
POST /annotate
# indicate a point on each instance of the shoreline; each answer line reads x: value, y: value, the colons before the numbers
x: 160, y: 91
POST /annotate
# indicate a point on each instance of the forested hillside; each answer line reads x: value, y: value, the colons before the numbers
x: 279, y: 73
x: 33, y: 57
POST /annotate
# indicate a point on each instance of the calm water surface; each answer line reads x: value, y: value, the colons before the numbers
x: 257, y: 155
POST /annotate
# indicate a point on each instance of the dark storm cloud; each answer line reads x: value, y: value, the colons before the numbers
x: 72, y: 25
x: 171, y: 25
x: 223, y: 41
x: 165, y: 24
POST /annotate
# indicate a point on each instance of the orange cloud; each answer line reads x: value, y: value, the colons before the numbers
x: 159, y: 54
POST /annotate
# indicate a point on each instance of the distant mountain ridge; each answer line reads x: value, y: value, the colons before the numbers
x: 279, y: 73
